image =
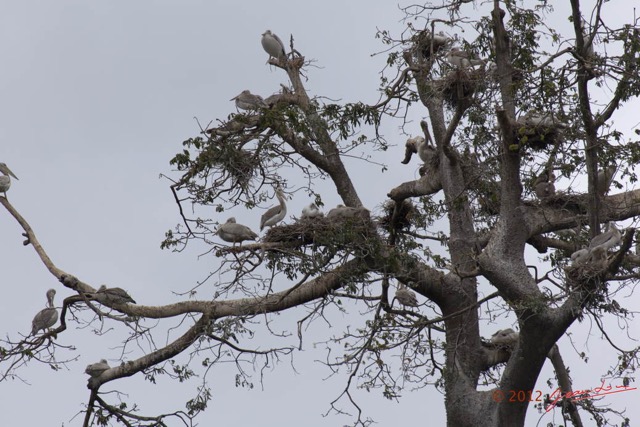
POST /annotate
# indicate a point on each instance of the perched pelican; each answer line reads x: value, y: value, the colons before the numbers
x: 461, y: 59
x: 505, y: 337
x: 580, y: 256
x: 311, y: 212
x: 543, y: 185
x: 96, y: 369
x: 534, y: 118
x: 342, y: 212
x: 406, y: 296
x: 47, y: 317
x: 113, y: 295
x: 605, y: 179
x: 248, y: 101
x: 235, y: 233
x: 5, y: 179
x: 275, y: 214
x: 598, y: 257
x: 608, y: 239
x: 418, y: 145
x: 273, y: 45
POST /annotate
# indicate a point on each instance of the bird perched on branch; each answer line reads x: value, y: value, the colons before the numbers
x: 248, y: 101
x: 311, y: 211
x: 605, y: 179
x: 5, y: 179
x: 272, y: 44
x: 543, y: 185
x: 344, y: 212
x: 235, y: 233
x: 275, y: 214
x: 406, y: 296
x: 47, y: 317
x: 461, y: 59
x: 113, y: 295
x: 418, y: 145
x: 608, y: 239
x: 94, y: 370
x: 505, y: 337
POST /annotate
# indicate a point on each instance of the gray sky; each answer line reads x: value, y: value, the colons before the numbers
x: 96, y: 98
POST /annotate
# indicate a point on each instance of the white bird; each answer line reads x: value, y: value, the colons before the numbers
x: 605, y: 179
x: 505, y: 337
x: 461, y: 59
x: 418, y: 145
x: 275, y: 214
x: 5, y: 179
x: 311, y: 211
x: 608, y: 239
x: 580, y: 256
x: 534, y: 118
x: 343, y: 212
x: 598, y: 257
x: 113, y: 295
x: 272, y: 44
x: 543, y: 185
x: 248, y: 101
x: 235, y: 233
x: 96, y: 369
x: 47, y: 317
x: 406, y: 296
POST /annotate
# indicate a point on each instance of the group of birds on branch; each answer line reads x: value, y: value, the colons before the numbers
x: 232, y: 232
x: 544, y: 187
x: 596, y: 253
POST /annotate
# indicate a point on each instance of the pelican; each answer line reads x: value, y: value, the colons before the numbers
x: 311, y: 212
x: 605, y: 179
x: 113, y: 295
x: 406, y: 296
x: 96, y: 369
x: 598, y: 257
x: 580, y: 256
x: 608, y: 239
x: 505, y: 337
x: 47, y: 317
x: 235, y: 233
x: 5, y: 179
x: 248, y: 101
x: 534, y: 118
x: 418, y: 145
x: 543, y: 185
x: 461, y: 59
x: 343, y: 212
x: 273, y: 45
x: 275, y: 214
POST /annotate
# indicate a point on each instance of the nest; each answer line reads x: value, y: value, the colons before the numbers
x: 424, y: 40
x: 459, y: 85
x: 322, y: 231
x: 538, y: 137
x: 403, y: 217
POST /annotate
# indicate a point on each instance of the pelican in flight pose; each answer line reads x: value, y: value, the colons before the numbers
x: 608, y: 239
x: 248, y: 101
x: 275, y: 214
x: 418, y: 145
x: 273, y: 45
x: 94, y: 370
x: 235, y: 233
x: 47, y: 317
x: 406, y: 297
x: 5, y: 179
x: 113, y: 295
x: 311, y: 211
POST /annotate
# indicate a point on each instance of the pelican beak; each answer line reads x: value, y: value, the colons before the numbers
x: 411, y: 148
x: 6, y: 170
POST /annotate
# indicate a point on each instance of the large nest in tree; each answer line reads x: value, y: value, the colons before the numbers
x: 323, y: 231
x: 459, y: 85
x: 538, y: 136
x: 424, y: 42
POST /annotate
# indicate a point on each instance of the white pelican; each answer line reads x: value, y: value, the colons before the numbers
x: 605, y: 179
x: 275, y: 214
x: 342, y: 211
x: 113, y: 295
x: 5, y: 179
x: 311, y: 211
x: 505, y: 337
x: 580, y: 256
x: 273, y: 45
x: 235, y: 233
x: 47, y: 317
x: 418, y: 145
x: 461, y: 59
x: 543, y: 185
x: 598, y: 257
x: 96, y: 369
x: 608, y: 239
x: 248, y: 101
x: 406, y: 297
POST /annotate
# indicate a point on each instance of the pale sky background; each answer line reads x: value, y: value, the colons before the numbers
x: 96, y: 98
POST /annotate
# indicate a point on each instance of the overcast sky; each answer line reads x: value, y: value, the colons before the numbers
x: 96, y: 98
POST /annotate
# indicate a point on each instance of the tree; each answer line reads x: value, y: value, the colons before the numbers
x: 496, y: 133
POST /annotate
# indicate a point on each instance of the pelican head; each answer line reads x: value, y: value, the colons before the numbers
x: 6, y: 171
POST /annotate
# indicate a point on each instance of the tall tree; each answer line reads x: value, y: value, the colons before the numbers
x: 511, y: 115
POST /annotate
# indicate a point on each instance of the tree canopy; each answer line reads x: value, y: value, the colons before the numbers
x: 520, y: 166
